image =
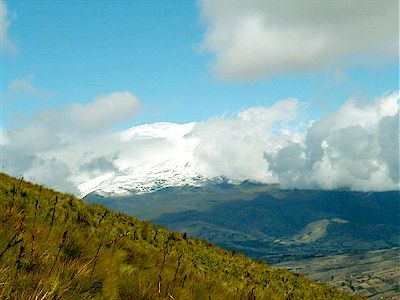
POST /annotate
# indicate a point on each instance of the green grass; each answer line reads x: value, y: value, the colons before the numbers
x: 54, y: 246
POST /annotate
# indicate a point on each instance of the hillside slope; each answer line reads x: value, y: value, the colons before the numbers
x: 54, y: 246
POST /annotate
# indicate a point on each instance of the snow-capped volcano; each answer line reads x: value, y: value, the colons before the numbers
x: 169, y: 163
x: 142, y: 180
x: 157, y: 177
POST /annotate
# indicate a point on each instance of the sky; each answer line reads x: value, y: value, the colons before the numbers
x: 74, y: 71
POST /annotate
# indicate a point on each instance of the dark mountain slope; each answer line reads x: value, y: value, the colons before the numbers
x: 297, y: 223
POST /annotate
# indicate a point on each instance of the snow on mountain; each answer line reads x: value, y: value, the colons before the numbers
x: 173, y: 164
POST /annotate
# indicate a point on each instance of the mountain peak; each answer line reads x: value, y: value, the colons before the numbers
x: 171, y: 161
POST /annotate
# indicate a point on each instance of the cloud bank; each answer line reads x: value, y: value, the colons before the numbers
x: 56, y: 145
x: 234, y: 147
x: 356, y: 147
x: 257, y: 39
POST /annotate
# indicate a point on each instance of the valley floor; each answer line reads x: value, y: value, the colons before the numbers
x: 373, y: 274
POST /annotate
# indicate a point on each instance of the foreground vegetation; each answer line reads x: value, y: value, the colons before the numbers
x: 53, y: 246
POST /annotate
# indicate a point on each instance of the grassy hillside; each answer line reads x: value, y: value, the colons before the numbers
x: 54, y: 246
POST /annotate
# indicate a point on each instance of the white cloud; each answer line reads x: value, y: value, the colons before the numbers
x: 388, y: 141
x: 284, y: 110
x: 256, y: 39
x: 39, y: 136
x: 5, y: 22
x: 356, y: 147
x: 65, y: 140
x: 25, y: 87
x: 104, y: 111
x: 234, y: 147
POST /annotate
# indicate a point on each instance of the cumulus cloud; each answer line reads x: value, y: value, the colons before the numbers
x: 66, y: 142
x: 5, y: 42
x: 234, y: 147
x: 356, y: 147
x: 26, y: 87
x: 256, y: 39
x: 104, y: 111
x: 388, y: 141
x: 38, y: 136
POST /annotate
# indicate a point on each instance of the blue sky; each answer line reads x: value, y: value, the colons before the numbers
x: 76, y: 50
